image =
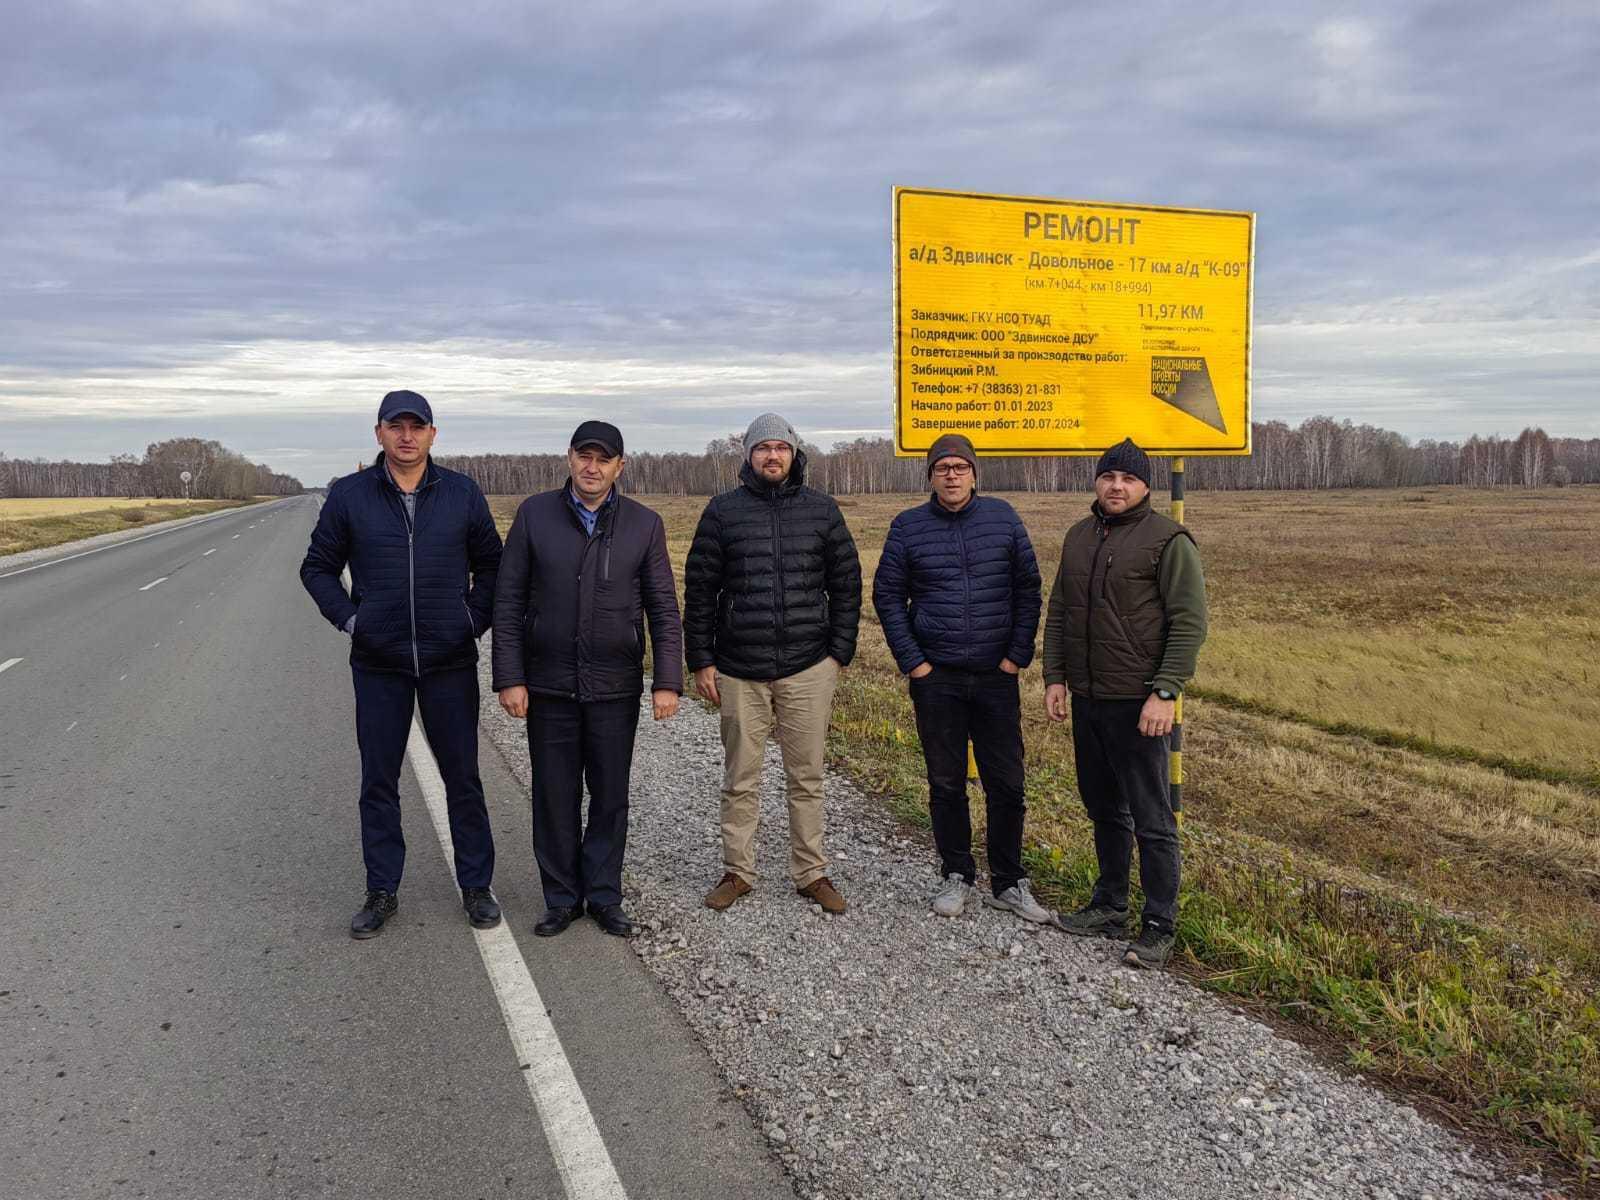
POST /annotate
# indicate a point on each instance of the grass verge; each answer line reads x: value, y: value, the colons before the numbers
x: 24, y: 532
x: 1427, y: 1002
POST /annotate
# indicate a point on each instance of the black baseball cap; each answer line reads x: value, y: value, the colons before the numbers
x: 598, y: 433
x: 402, y: 403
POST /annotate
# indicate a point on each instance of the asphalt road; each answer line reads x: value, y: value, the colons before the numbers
x: 182, y: 1010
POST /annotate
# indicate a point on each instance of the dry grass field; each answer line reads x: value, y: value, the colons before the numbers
x: 1392, y: 784
x: 33, y: 523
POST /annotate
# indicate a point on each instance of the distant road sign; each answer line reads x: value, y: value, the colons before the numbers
x: 1061, y: 326
x: 185, y: 476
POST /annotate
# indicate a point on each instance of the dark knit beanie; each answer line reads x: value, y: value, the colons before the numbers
x: 952, y: 445
x: 1127, y: 458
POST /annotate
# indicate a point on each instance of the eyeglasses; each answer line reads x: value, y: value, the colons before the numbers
x: 953, y: 469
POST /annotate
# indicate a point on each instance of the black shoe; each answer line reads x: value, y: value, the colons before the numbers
x: 555, y: 920
x: 1152, y: 950
x: 612, y: 919
x: 380, y: 906
x: 481, y: 908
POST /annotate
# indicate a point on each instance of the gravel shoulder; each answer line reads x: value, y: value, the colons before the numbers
x: 890, y: 1053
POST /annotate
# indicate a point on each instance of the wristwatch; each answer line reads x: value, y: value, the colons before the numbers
x: 1166, y: 695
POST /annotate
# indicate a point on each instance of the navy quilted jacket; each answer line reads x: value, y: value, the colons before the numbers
x: 421, y: 595
x: 958, y: 589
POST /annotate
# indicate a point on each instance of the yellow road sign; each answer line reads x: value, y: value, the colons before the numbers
x: 1063, y: 326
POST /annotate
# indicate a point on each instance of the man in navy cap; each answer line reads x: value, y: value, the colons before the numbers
x: 584, y: 568
x: 1126, y: 619
x: 422, y: 551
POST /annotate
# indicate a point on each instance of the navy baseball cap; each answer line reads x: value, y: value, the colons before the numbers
x: 399, y: 404
x: 598, y: 433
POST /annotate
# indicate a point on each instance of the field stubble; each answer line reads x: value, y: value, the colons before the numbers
x: 1392, y: 778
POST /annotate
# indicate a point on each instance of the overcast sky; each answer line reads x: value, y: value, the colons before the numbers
x: 247, y: 220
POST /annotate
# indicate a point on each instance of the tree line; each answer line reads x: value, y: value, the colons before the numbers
x: 216, y: 473
x: 1320, y: 453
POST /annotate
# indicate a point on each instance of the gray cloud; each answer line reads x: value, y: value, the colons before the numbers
x: 217, y: 212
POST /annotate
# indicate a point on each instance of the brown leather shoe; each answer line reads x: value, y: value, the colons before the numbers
x: 729, y: 888
x: 824, y: 893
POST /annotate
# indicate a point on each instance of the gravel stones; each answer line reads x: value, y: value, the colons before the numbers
x: 889, y: 1052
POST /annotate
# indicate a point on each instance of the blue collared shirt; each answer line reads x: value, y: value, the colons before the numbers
x: 589, y: 519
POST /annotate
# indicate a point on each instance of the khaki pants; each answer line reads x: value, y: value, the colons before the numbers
x: 797, y: 707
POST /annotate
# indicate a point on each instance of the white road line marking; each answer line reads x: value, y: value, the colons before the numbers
x: 211, y: 551
x: 234, y: 538
x: 575, y: 1143
x: 120, y: 680
x: 71, y: 727
x: 155, y: 582
x: 9, y: 663
x: 186, y: 524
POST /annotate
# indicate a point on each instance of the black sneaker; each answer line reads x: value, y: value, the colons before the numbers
x: 482, y: 910
x: 1152, y: 949
x: 380, y: 906
x: 1095, y: 920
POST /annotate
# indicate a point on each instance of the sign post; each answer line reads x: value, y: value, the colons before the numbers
x: 1059, y: 327
x: 184, y: 477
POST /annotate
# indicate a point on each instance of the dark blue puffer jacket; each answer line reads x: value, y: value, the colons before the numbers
x: 421, y: 596
x: 958, y: 589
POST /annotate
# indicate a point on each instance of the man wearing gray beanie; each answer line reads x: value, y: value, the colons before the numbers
x: 1126, y: 619
x: 772, y: 598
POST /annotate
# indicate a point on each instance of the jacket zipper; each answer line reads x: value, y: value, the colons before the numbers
x: 966, y: 581
x: 777, y: 576
x: 411, y: 589
x: 1088, y: 631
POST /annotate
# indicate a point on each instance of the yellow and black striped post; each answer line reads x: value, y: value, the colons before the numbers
x: 1175, y: 784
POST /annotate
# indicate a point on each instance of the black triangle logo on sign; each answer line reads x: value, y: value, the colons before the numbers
x: 1183, y: 381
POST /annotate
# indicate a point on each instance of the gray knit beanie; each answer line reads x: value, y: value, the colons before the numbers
x: 952, y: 445
x: 1127, y: 458
x: 769, y: 427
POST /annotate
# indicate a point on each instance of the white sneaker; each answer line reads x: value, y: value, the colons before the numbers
x: 1018, y: 898
x: 951, y: 898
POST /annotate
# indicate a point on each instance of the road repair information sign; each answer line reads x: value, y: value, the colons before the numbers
x: 1062, y: 326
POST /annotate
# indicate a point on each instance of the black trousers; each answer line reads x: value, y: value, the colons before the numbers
x: 952, y: 707
x: 1123, y: 778
x: 448, y: 704
x: 572, y: 743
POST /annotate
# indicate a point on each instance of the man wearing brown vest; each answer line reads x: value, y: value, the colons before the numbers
x: 1126, y: 619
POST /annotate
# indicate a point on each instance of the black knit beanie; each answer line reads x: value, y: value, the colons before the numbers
x: 1127, y: 458
x: 952, y: 445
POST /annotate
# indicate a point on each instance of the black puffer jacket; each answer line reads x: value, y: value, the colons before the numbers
x: 570, y: 606
x: 422, y: 592
x: 773, y: 582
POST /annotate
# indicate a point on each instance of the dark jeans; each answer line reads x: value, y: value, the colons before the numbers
x: 570, y: 744
x: 1123, y: 778
x: 952, y: 707
x: 448, y: 703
